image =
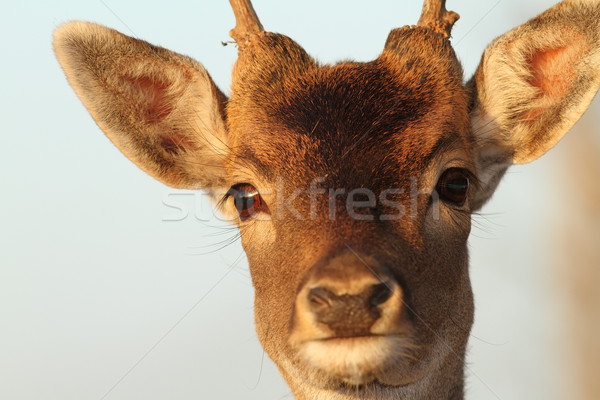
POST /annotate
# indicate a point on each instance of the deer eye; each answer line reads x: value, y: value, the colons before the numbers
x: 246, y: 199
x: 453, y: 186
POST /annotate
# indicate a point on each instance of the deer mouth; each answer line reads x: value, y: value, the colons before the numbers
x: 352, y: 362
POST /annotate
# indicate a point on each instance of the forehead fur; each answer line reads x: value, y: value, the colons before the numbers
x: 376, y: 116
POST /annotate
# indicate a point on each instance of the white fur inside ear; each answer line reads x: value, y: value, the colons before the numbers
x: 536, y: 81
x: 160, y: 108
x: 532, y: 85
x: 525, y: 83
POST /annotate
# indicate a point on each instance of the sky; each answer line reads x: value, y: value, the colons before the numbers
x: 106, y: 292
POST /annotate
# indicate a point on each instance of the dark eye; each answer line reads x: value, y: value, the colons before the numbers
x: 453, y: 186
x: 246, y: 199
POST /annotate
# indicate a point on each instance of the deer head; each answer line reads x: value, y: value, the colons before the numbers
x: 352, y: 184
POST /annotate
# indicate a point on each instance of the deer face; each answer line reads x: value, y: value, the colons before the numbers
x: 350, y: 158
x: 352, y: 184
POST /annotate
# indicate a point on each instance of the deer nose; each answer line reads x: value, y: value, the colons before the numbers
x: 323, y: 302
x: 348, y: 297
x: 349, y: 315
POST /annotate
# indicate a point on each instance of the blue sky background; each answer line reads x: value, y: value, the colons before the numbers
x: 102, y: 298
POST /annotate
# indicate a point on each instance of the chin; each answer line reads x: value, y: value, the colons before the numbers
x: 364, y: 364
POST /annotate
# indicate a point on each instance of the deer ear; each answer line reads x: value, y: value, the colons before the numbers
x: 532, y: 85
x: 161, y: 109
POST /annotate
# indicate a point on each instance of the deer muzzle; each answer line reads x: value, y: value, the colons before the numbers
x: 350, y: 317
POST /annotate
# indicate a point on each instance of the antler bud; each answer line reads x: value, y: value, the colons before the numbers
x: 246, y: 20
x: 435, y: 17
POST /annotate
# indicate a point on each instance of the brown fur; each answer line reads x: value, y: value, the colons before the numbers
x: 397, y: 122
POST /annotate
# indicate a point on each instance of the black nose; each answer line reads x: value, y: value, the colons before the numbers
x: 349, y: 314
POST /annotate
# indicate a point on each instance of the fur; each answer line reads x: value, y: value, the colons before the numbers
x: 388, y: 129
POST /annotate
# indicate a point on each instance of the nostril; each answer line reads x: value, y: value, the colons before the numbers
x: 320, y: 298
x: 380, y: 293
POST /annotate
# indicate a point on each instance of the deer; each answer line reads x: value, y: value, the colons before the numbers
x: 352, y: 184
